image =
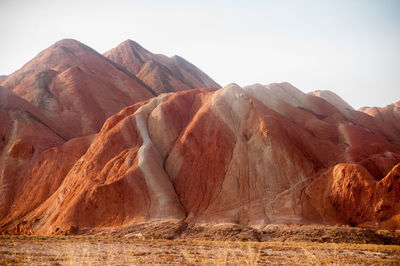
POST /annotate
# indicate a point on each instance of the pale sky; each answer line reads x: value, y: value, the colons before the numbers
x: 351, y: 47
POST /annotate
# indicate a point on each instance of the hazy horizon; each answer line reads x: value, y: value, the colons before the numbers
x: 348, y: 47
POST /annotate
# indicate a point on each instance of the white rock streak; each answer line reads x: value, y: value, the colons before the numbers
x: 164, y: 202
x: 227, y: 104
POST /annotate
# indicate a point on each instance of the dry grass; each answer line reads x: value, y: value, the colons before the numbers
x: 91, y: 250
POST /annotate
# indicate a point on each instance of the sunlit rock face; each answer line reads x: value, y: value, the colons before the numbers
x: 252, y: 155
x: 50, y: 112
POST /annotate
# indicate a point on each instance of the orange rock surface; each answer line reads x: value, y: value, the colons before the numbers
x: 50, y: 111
x: 254, y: 155
x: 25, y: 132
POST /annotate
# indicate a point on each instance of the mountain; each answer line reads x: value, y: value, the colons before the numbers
x: 76, y: 87
x: 66, y: 91
x: 254, y: 155
x: 161, y: 73
x: 50, y: 111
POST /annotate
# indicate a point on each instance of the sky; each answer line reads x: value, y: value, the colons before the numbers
x: 351, y: 47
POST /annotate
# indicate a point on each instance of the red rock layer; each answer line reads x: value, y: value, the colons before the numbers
x: 24, y: 133
x: 75, y: 87
x: 161, y: 73
x: 65, y: 92
x: 262, y: 154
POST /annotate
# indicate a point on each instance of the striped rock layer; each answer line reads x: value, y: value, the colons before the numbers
x: 252, y: 155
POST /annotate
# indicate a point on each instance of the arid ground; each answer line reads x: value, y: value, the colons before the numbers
x: 98, y: 251
x: 165, y: 243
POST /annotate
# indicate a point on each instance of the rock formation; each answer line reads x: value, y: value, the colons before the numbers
x: 76, y: 87
x: 87, y: 142
x: 161, y: 73
x: 252, y: 155
x: 25, y: 132
x: 50, y: 111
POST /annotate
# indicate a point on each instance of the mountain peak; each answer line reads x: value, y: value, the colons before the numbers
x: 68, y: 42
x: 333, y: 99
x: 132, y: 47
x: 130, y: 55
x: 131, y: 43
x: 71, y: 44
x: 181, y: 73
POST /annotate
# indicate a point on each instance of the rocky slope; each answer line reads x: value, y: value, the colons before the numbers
x: 76, y: 87
x: 161, y: 73
x: 254, y: 155
x: 25, y: 132
x: 50, y: 110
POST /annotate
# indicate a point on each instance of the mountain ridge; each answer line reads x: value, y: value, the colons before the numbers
x: 181, y: 74
x: 86, y: 147
x: 201, y: 155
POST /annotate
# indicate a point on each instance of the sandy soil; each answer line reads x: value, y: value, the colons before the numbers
x: 95, y: 250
